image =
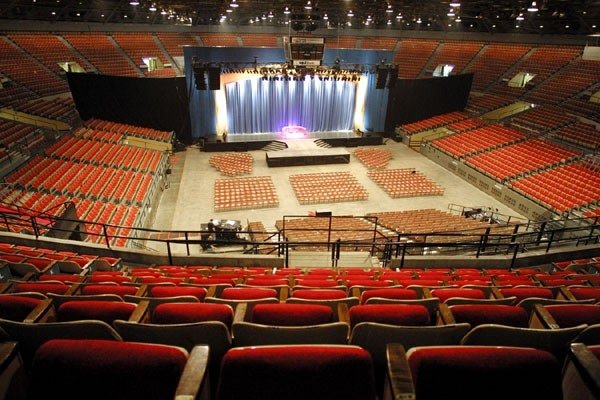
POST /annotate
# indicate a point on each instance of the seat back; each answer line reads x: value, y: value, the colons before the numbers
x: 478, y: 372
x: 555, y: 341
x: 297, y: 372
x: 391, y: 314
x: 251, y: 334
x: 183, y: 313
x: 32, y: 336
x: 106, y: 311
x: 96, y: 369
x: 478, y: 314
x: 288, y: 314
x: 375, y: 337
x: 213, y: 334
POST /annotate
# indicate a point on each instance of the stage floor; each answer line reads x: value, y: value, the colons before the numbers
x: 262, y: 137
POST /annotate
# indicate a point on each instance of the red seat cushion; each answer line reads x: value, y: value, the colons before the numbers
x: 64, y: 368
x: 16, y: 308
x: 392, y: 293
x: 367, y: 283
x: 173, y: 291
x: 568, y: 315
x: 524, y: 293
x: 446, y: 293
x: 247, y: 293
x: 119, y: 290
x: 95, y: 278
x: 160, y: 279
x: 41, y: 287
x: 584, y: 293
x: 392, y: 314
x: 183, y: 313
x: 291, y: 314
x: 319, y: 294
x: 477, y: 314
x: 317, y: 282
x: 106, y: 311
x: 484, y: 372
x: 262, y: 281
x: 297, y: 373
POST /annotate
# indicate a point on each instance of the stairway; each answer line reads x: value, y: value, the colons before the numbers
x: 322, y: 259
x: 275, y: 145
x: 322, y: 143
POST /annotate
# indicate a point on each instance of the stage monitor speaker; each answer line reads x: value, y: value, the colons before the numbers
x: 392, y: 77
x: 382, y: 74
x: 214, y: 78
x: 323, y: 213
x: 200, y: 79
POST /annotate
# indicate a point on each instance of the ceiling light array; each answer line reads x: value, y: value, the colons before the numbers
x: 388, y: 14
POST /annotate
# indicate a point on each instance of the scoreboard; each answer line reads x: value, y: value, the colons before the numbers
x: 304, y: 52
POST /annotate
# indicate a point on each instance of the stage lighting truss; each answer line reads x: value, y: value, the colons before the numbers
x: 287, y: 72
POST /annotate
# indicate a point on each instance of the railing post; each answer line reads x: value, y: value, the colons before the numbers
x: 403, y: 254
x: 550, y: 241
x: 287, y: 253
x: 541, y: 233
x: 486, y: 239
x: 329, y: 233
x: 35, y: 227
x: 169, y: 255
x: 593, y: 228
x: 106, y: 239
x: 514, y: 257
x: 187, y: 243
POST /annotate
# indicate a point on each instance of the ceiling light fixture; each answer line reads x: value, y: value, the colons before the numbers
x: 286, y: 11
x: 134, y: 3
x: 350, y: 13
x: 454, y: 4
x: 233, y: 4
x: 533, y: 7
x: 308, y: 5
x: 152, y: 7
x: 325, y: 17
x: 520, y: 17
x: 389, y: 9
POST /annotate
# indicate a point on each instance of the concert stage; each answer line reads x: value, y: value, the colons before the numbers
x: 257, y: 141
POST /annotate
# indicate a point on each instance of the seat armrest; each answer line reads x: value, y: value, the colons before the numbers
x: 194, y: 383
x: 40, y: 312
x: 141, y: 312
x: 541, y: 319
x: 398, y: 383
x: 445, y: 316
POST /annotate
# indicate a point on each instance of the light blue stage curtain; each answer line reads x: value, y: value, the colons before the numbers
x: 266, y: 106
x: 375, y: 105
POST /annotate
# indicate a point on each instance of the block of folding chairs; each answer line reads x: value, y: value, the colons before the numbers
x: 297, y: 372
x: 31, y: 336
x: 374, y: 337
x: 555, y: 341
x: 25, y: 307
x: 553, y: 316
x: 288, y: 323
x: 473, y: 372
x: 102, y: 369
x: 581, y: 373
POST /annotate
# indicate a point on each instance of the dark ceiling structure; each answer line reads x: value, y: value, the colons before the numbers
x: 576, y: 17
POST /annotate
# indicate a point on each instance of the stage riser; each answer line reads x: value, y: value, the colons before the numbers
x: 293, y: 161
